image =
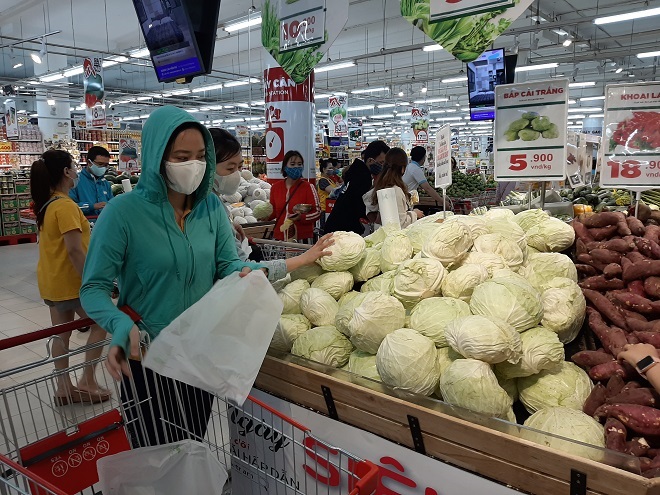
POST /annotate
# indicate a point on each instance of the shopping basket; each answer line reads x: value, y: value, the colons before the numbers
x: 56, y: 446
x: 275, y: 250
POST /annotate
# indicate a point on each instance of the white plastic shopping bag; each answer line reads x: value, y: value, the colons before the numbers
x: 171, y: 469
x: 219, y: 343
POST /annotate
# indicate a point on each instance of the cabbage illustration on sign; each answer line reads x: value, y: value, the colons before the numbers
x: 297, y: 33
x: 465, y: 28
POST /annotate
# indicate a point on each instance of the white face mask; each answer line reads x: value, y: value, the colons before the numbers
x: 227, y: 184
x: 185, y: 177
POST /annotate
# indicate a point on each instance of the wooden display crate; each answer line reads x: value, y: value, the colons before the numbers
x: 487, y: 447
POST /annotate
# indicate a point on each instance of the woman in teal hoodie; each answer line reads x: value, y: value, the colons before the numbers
x: 166, y: 242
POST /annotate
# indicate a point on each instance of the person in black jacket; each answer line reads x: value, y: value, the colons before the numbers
x: 349, y: 208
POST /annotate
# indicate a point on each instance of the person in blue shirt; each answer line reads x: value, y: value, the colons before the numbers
x: 93, y: 192
x: 414, y: 177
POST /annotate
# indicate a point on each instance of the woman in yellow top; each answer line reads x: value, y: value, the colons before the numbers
x: 63, y: 240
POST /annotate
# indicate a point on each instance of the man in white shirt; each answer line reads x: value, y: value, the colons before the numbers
x: 414, y: 177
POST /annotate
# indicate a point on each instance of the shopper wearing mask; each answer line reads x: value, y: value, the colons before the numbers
x: 288, y: 196
x: 414, y: 178
x: 167, y: 243
x: 349, y: 208
x: 392, y: 176
x: 63, y: 240
x: 329, y: 181
x: 93, y: 192
x: 228, y: 162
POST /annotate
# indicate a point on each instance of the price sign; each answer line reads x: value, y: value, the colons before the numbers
x: 302, y: 25
x: 5, y: 146
x: 572, y: 164
x: 630, y: 154
x: 530, y: 131
x: 443, y: 158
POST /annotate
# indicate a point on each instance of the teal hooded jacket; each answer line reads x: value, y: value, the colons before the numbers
x: 161, y: 269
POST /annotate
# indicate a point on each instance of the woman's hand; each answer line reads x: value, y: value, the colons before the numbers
x: 116, y: 362
x: 240, y: 233
x: 634, y: 353
x: 318, y: 250
x: 246, y: 270
x: 419, y: 213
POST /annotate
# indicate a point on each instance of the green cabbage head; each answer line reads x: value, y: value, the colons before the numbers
x: 324, y: 345
x: 449, y: 244
x: 418, y: 232
x: 368, y: 267
x: 541, y: 268
x: 347, y: 251
x: 504, y: 246
x: 289, y: 328
x: 541, y: 350
x: 319, y: 307
x: 347, y: 304
x: 461, y: 282
x: 418, y: 279
x: 381, y: 283
x: 490, y: 261
x: 363, y: 364
x: 334, y: 283
x: 309, y: 273
x: 568, y: 386
x: 475, y: 224
x: 551, y: 235
x: 378, y: 315
x: 431, y: 316
x: 395, y: 250
x: 487, y: 339
x: 564, y: 308
x: 291, y: 294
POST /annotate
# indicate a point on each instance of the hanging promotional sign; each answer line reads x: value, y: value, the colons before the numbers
x: 338, y: 112
x: 420, y: 125
x: 631, y: 144
x: 94, y: 91
x: 11, y: 122
x: 443, y: 157
x: 573, y: 172
x: 298, y: 33
x: 530, y: 131
x: 128, y: 160
x: 355, y: 133
x: 289, y: 108
x: 464, y: 28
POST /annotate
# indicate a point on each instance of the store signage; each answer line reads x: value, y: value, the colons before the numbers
x: 94, y: 91
x: 573, y: 172
x: 443, y: 157
x: 298, y: 33
x: 631, y: 147
x: 530, y: 131
x: 338, y: 111
x: 5, y: 147
x: 128, y: 159
x: 264, y: 454
x: 420, y: 125
x: 289, y: 108
x: 11, y: 122
x: 355, y: 133
x: 464, y: 28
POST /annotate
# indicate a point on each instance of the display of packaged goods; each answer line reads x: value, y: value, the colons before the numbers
x: 28, y: 228
x: 23, y: 201
x: 13, y: 228
x: 22, y: 186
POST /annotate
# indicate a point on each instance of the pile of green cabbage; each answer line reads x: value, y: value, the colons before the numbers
x: 474, y: 309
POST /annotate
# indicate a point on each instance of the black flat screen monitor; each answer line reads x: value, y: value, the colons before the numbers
x: 180, y: 35
x: 484, y: 74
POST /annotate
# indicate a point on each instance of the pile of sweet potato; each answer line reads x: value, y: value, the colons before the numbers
x: 618, y: 262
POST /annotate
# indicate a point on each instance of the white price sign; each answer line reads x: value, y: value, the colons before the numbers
x: 630, y: 154
x: 443, y: 158
x: 302, y: 23
x: 530, y: 131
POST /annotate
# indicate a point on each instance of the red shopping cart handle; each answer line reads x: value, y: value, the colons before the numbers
x: 57, y: 330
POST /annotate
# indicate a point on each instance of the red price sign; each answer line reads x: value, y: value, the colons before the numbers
x: 630, y: 172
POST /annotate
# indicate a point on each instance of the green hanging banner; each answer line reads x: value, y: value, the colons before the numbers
x: 297, y: 33
x: 464, y: 28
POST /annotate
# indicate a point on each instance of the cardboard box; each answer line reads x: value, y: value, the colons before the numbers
x: 10, y: 216
x: 24, y: 201
x: 8, y: 201
x: 22, y: 186
x: 28, y: 228
x: 11, y: 228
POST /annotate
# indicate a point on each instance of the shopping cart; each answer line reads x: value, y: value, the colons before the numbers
x: 47, y: 448
x: 276, y: 250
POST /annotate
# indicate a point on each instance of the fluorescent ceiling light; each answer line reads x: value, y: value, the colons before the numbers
x: 432, y: 48
x: 233, y: 120
x: 177, y: 92
x: 383, y: 116
x: 192, y: 110
x: 455, y: 79
x: 567, y: 42
x: 629, y: 16
x: 619, y: 70
x: 578, y: 116
x: 144, y: 116
x: 114, y: 61
x: 386, y: 105
x: 258, y: 103
x: 430, y: 100
x: 529, y: 68
x: 243, y: 24
x: 369, y: 90
x: 207, y: 88
x: 585, y: 110
x: 74, y: 71
x: 50, y: 102
x: 17, y: 65
x: 581, y: 84
x: 142, y: 98
x: 432, y: 112
x: 359, y: 108
x: 592, y: 98
x: 597, y: 116
x: 51, y: 77
x: 337, y: 66
x: 122, y: 102
x: 572, y: 102
x: 648, y: 54
x: 131, y: 118
x: 448, y: 118
x: 141, y: 53
x: 323, y: 110
x: 243, y: 82
x: 215, y: 107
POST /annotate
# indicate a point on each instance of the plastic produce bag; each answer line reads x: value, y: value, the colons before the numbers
x: 219, y: 343
x: 172, y: 469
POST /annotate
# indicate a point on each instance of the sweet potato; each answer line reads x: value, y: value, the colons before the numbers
x: 652, y: 233
x: 634, y: 257
x: 596, y: 398
x: 637, y: 287
x: 631, y: 385
x: 606, y: 371
x: 635, y: 302
x: 635, y: 225
x: 618, y: 245
x: 615, y: 435
x: 607, y: 309
x: 640, y: 270
x: 622, y: 225
x: 631, y: 315
x: 582, y: 232
x: 605, y: 256
x: 602, y: 233
x: 640, y: 419
x: 615, y: 385
x: 651, y: 473
x: 643, y: 211
x: 580, y: 247
x: 644, y: 463
x: 598, y: 220
x: 652, y: 286
x: 588, y: 260
x: 632, y: 339
x: 600, y: 282
x: 652, y: 338
x: 636, y: 325
x: 640, y: 396
x: 655, y: 217
x: 587, y: 359
x: 653, y: 452
x: 613, y: 270
x: 590, y: 271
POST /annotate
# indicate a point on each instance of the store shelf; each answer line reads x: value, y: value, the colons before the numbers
x: 21, y: 152
x: 24, y: 140
x: 97, y: 141
x: 111, y: 152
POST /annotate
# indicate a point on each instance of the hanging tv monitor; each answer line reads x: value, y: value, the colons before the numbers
x: 484, y: 74
x: 180, y: 36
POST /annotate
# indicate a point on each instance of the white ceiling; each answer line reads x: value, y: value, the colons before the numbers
x: 385, y: 46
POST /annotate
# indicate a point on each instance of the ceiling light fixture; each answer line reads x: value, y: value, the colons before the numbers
x: 648, y: 54
x: 244, y: 82
x: 360, y: 108
x: 454, y: 79
x: 243, y: 23
x: 400, y: 94
x: 567, y: 42
x: 529, y: 68
x: 585, y: 110
x: 369, y: 90
x: 629, y: 16
x: 51, y: 77
x: 430, y: 100
x: 139, y: 53
x: 383, y: 116
x: 424, y: 89
x: 432, y: 48
x: 619, y: 70
x: 337, y: 66
x: 73, y: 71
x: 592, y: 98
x: 581, y: 84
x: 207, y: 88
x: 50, y: 102
x: 37, y: 57
x: 386, y: 105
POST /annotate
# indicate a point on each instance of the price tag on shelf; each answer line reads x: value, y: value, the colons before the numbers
x: 630, y: 154
x: 530, y: 131
x: 302, y: 24
x: 5, y: 146
x: 443, y: 158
